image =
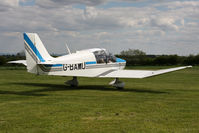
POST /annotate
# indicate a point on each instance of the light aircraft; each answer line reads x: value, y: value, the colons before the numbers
x: 96, y: 62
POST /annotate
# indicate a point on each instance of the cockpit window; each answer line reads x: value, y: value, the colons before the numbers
x: 111, y: 58
x: 104, y: 57
x: 100, y: 56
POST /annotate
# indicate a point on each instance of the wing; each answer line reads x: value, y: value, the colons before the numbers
x: 139, y: 73
x: 19, y: 62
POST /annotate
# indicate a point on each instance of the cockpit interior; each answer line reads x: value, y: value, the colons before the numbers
x: 102, y: 56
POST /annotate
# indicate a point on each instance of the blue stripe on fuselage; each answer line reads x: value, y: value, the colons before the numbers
x: 91, y: 62
x: 120, y: 60
x: 32, y: 46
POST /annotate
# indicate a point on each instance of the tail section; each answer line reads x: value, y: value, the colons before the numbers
x: 35, y: 52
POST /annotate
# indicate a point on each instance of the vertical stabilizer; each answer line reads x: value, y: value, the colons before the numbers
x: 35, y: 52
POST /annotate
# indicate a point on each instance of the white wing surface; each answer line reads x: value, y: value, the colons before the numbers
x: 139, y: 73
x: 19, y: 62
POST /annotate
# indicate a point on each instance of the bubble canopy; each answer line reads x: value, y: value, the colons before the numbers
x: 103, y: 56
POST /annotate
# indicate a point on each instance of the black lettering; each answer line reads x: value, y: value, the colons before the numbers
x: 65, y: 67
x: 71, y: 66
x: 79, y: 66
x: 75, y: 67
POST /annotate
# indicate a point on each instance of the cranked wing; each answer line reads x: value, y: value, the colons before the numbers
x: 139, y: 73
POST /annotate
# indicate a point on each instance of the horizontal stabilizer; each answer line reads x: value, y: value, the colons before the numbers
x: 19, y: 62
x: 139, y: 73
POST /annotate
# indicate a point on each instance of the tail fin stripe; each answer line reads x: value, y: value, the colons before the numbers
x: 31, y: 53
x: 32, y: 46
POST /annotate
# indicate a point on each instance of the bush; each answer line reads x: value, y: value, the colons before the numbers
x: 2, y: 60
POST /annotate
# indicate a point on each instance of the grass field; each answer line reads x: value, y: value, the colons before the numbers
x: 43, y: 104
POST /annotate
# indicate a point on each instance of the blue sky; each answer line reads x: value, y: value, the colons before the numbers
x: 166, y: 27
x: 26, y: 2
x: 125, y: 4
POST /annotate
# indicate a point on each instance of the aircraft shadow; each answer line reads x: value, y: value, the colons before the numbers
x: 47, y: 87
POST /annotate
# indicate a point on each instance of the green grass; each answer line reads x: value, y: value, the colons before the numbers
x: 43, y: 104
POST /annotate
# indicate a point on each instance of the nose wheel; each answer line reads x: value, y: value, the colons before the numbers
x: 117, y: 83
x: 73, y: 82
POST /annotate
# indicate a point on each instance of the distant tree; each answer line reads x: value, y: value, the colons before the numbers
x: 134, y: 57
x: 192, y: 60
x: 132, y: 52
x: 166, y: 60
x: 197, y: 59
x: 2, y: 60
x: 21, y: 53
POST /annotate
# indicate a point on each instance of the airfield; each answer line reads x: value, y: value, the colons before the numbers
x: 43, y: 104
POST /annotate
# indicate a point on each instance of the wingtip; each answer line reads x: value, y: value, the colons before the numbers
x: 9, y: 62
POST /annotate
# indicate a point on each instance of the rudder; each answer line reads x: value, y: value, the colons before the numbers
x: 35, y: 52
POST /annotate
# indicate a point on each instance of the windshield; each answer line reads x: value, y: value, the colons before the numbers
x: 103, y: 56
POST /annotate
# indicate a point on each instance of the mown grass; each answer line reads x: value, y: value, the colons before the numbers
x: 165, y: 103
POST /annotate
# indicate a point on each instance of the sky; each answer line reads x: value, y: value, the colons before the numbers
x: 153, y: 26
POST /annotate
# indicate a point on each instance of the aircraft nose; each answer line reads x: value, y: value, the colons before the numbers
x: 119, y: 60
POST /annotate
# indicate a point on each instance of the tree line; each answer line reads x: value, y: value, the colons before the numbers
x: 10, y: 57
x: 134, y: 57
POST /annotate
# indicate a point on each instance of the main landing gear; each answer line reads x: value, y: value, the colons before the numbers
x: 73, y: 82
x: 118, y: 84
x: 115, y: 83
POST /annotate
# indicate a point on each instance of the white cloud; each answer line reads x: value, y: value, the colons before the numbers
x: 90, y: 12
x: 12, y: 3
x: 61, y: 3
x: 182, y: 4
x: 164, y: 23
x: 148, y: 28
x: 8, y: 5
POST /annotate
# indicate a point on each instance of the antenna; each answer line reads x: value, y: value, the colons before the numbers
x: 68, y: 49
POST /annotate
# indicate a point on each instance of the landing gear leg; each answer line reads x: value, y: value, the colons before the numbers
x: 73, y: 82
x: 118, y: 84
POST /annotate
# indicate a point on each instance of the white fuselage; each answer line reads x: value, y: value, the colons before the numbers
x: 82, y: 63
